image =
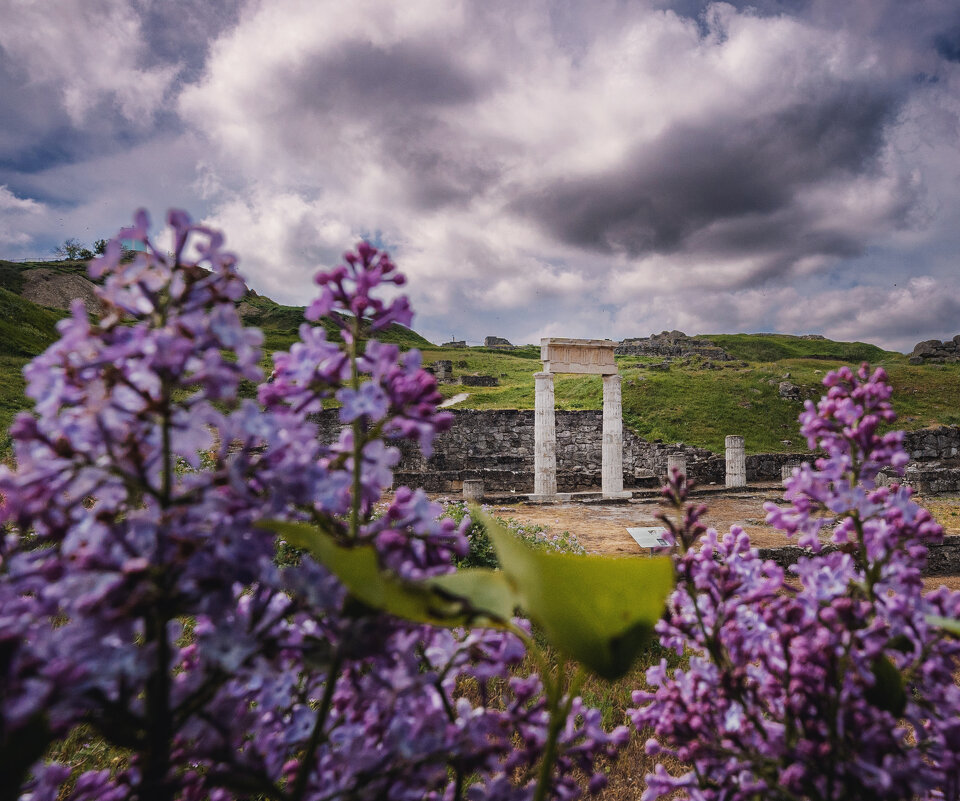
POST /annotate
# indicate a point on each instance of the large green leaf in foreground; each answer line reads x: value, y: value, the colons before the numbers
x: 420, y: 602
x: 945, y: 623
x: 597, y: 610
x: 600, y: 610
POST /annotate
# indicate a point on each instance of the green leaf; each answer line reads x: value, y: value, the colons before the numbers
x: 455, y: 600
x: 600, y: 610
x: 888, y: 692
x: 487, y: 591
x: 901, y: 643
x: 945, y: 623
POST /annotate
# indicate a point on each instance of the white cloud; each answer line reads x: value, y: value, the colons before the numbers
x: 599, y: 170
x: 13, y: 210
x: 89, y: 50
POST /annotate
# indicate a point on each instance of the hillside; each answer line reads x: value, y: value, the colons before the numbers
x: 35, y: 295
x: 699, y: 402
x: 691, y: 400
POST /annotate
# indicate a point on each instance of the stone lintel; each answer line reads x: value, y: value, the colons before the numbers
x: 590, y: 356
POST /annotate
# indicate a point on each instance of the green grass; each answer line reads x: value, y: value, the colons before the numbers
x: 280, y: 325
x: 26, y: 329
x: 698, y: 406
x: 775, y: 347
x: 11, y: 277
x: 925, y: 395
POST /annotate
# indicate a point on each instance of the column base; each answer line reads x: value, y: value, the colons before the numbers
x: 618, y: 496
x: 534, y: 498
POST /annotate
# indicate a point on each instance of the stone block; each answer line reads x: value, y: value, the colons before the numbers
x: 583, y: 356
x: 479, y: 381
x: 472, y: 489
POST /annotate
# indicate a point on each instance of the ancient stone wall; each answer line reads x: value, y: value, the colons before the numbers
x: 479, y: 381
x: 943, y: 558
x: 932, y: 444
x: 497, y: 447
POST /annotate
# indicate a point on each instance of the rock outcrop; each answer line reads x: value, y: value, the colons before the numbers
x: 57, y: 290
x: 933, y: 350
x: 672, y: 344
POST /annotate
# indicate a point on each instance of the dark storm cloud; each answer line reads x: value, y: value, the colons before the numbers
x: 60, y: 107
x: 947, y: 44
x: 721, y: 171
x: 180, y: 32
x: 39, y: 134
x: 399, y: 93
x: 359, y: 76
x: 435, y: 175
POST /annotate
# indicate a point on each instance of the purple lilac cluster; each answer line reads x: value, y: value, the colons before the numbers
x: 840, y: 688
x: 139, y: 597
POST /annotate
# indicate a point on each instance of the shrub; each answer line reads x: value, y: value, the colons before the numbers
x: 843, y: 688
x: 288, y: 686
x: 481, y: 552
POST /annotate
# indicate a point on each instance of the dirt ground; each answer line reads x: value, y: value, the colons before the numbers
x: 602, y: 528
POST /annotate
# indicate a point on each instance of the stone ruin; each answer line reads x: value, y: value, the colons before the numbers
x: 479, y: 381
x: 443, y: 371
x: 672, y: 344
x: 937, y: 352
x: 583, y: 356
x: 497, y: 342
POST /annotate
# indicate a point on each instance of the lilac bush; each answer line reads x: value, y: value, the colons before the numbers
x: 839, y: 688
x: 139, y: 597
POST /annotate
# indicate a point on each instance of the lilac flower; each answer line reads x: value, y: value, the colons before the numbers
x: 840, y: 689
x: 133, y: 511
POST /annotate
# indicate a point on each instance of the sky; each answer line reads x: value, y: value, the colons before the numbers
x: 601, y: 168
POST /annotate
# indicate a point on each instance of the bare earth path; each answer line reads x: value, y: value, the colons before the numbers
x: 602, y: 528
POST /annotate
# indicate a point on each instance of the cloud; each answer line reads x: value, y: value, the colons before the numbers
x: 895, y: 317
x: 13, y: 210
x: 601, y: 169
x: 91, y: 55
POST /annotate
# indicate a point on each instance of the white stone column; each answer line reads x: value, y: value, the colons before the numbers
x: 678, y: 461
x: 611, y: 481
x: 545, y: 439
x: 736, y: 462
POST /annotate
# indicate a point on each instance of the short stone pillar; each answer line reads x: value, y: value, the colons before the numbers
x: 443, y: 370
x: 787, y: 470
x: 472, y: 489
x: 611, y: 479
x: 736, y: 462
x: 676, y: 461
x: 545, y: 439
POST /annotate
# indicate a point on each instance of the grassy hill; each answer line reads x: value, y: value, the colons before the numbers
x: 25, y: 330
x: 777, y: 347
x: 699, y: 404
x: 280, y: 325
x: 691, y: 401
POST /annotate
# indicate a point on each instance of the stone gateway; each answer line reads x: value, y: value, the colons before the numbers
x: 581, y: 356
